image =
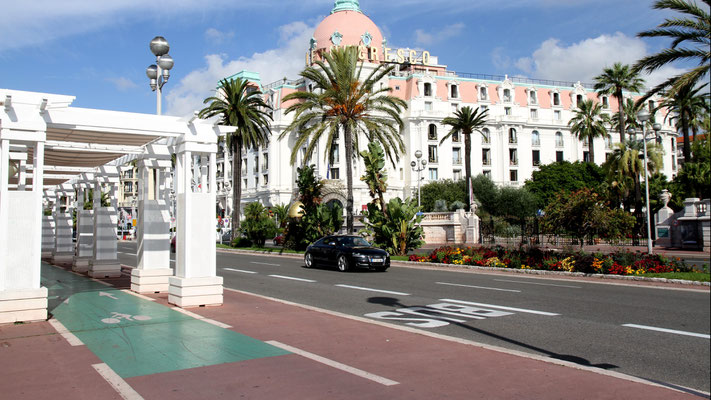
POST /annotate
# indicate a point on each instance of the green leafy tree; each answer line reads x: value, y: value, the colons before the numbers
x: 585, y: 215
x: 89, y: 203
x: 465, y: 122
x: 342, y: 102
x: 691, y: 42
x: 446, y: 189
x: 280, y: 213
x: 516, y: 206
x: 589, y: 123
x: 630, y: 108
x: 239, y: 104
x: 401, y: 231
x: 563, y: 176
x: 258, y: 224
x: 375, y: 175
x: 613, y: 81
x: 487, y: 194
x: 694, y: 178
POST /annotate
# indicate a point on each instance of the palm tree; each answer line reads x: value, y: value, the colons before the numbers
x: 613, y: 81
x: 589, y: 123
x: 465, y: 122
x: 687, y: 105
x: 239, y: 104
x: 341, y: 102
x: 693, y: 30
x: 630, y: 108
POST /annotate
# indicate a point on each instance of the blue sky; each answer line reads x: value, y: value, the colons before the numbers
x: 98, y: 50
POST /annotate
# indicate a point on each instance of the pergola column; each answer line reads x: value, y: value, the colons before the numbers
x: 63, y: 253
x: 84, y: 250
x: 104, y: 262
x: 48, y: 224
x: 195, y: 282
x: 21, y: 296
x: 153, y: 271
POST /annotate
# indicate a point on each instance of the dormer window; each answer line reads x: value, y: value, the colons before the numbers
x: 532, y: 97
x: 428, y: 89
x: 482, y: 93
x: 454, y: 92
x: 507, y: 95
x: 578, y: 100
x: 556, y: 99
x: 605, y: 102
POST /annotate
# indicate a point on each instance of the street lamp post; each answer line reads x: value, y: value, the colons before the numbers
x: 418, y: 166
x: 643, y: 116
x: 159, y: 72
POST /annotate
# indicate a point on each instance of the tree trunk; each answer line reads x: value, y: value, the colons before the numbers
x: 236, y: 188
x: 468, y: 166
x: 591, y: 149
x: 349, y: 177
x: 621, y: 116
x: 685, y: 131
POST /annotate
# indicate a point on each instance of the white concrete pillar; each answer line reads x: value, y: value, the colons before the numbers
x: 104, y: 262
x: 195, y: 282
x: 84, y: 250
x: 63, y: 253
x: 153, y: 271
x: 48, y: 225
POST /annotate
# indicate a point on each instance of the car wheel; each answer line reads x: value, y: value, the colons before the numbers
x: 309, y: 260
x: 342, y: 263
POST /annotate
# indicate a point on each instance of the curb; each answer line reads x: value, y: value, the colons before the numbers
x: 635, y: 278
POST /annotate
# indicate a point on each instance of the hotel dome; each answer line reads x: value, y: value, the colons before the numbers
x: 347, y: 26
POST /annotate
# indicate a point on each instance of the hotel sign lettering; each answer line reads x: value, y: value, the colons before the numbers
x: 374, y: 54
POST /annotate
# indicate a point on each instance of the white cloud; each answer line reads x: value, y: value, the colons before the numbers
x: 122, y: 83
x: 215, y: 36
x: 286, y: 60
x: 585, y: 60
x: 428, y: 38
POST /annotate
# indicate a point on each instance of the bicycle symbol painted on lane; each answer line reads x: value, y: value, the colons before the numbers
x: 117, y: 317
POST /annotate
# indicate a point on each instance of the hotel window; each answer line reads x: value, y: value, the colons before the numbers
x: 532, y: 97
x: 651, y: 106
x: 334, y: 157
x: 128, y: 174
x: 244, y: 167
x: 483, y: 108
x: 397, y: 87
x: 556, y: 99
x: 485, y: 136
x: 536, y: 157
x: 455, y: 108
x: 558, y: 139
x: 556, y: 115
x: 559, y: 156
x: 265, y: 162
x: 486, y: 173
x: 457, y: 175
x: 432, y: 152
x: 507, y: 95
x: 513, y: 175
x: 535, y: 138
x: 586, y: 156
x: 245, y: 184
x: 454, y: 91
x: 428, y: 89
x: 334, y: 173
x: 457, y: 156
x: 578, y: 100
x: 433, y: 174
x: 534, y: 113
x: 507, y: 110
x: 605, y: 102
x: 608, y: 142
x: 513, y: 157
x: 512, y: 136
x: 265, y: 179
x: 482, y: 93
x: 455, y: 137
x: 128, y: 187
x: 256, y: 181
x: 428, y: 106
x: 255, y: 167
x: 485, y: 156
x: 432, y: 132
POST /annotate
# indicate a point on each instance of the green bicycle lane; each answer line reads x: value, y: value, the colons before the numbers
x: 137, y: 337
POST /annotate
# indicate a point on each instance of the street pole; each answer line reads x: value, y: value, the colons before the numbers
x: 418, y: 166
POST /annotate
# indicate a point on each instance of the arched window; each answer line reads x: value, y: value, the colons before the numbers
x: 485, y: 136
x: 507, y: 95
x: 512, y: 136
x: 428, y: 89
x: 482, y: 93
x: 432, y: 132
x: 454, y: 92
x: 558, y: 139
x: 535, y: 138
x: 556, y: 98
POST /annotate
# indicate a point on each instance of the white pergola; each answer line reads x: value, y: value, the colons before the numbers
x: 49, y: 147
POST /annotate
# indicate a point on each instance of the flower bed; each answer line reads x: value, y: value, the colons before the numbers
x: 617, y: 263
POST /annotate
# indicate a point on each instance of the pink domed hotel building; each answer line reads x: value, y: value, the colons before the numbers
x: 527, y: 124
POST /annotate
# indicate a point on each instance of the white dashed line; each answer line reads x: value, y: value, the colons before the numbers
x: 62, y: 330
x: 335, y: 364
x: 654, y: 328
x: 535, y: 283
x: 292, y: 278
x: 123, y: 388
x: 523, y: 310
x: 478, y: 287
x: 201, y: 318
x: 259, y: 263
x: 373, y: 290
x: 239, y: 270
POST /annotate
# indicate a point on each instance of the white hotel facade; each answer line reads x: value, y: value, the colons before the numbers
x: 527, y: 125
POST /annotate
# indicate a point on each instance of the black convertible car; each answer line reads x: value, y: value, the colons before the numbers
x: 346, y: 252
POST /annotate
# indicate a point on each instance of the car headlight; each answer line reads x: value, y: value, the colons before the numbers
x: 359, y: 255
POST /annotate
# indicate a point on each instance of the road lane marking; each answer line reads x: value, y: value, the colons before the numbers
x: 541, y: 284
x: 62, y: 330
x: 123, y: 388
x: 523, y: 310
x: 478, y: 287
x: 335, y: 364
x: 260, y: 263
x: 292, y: 278
x: 239, y: 270
x: 654, y: 328
x: 123, y: 252
x: 373, y: 290
x: 140, y: 296
x: 201, y: 318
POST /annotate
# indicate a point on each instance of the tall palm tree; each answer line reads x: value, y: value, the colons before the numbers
x: 589, y: 123
x: 239, y: 104
x: 342, y: 102
x: 630, y: 108
x: 693, y: 30
x: 465, y: 122
x: 685, y: 105
x: 613, y: 81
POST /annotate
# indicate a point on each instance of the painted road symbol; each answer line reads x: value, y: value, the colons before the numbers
x: 118, y: 317
x: 437, y: 315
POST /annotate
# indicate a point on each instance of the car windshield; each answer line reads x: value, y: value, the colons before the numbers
x: 354, y: 241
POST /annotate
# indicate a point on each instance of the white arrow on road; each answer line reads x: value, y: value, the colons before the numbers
x: 107, y: 295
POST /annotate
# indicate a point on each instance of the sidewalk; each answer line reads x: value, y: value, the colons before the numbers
x: 122, y: 345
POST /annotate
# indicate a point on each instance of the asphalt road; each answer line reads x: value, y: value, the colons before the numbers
x: 653, y: 333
